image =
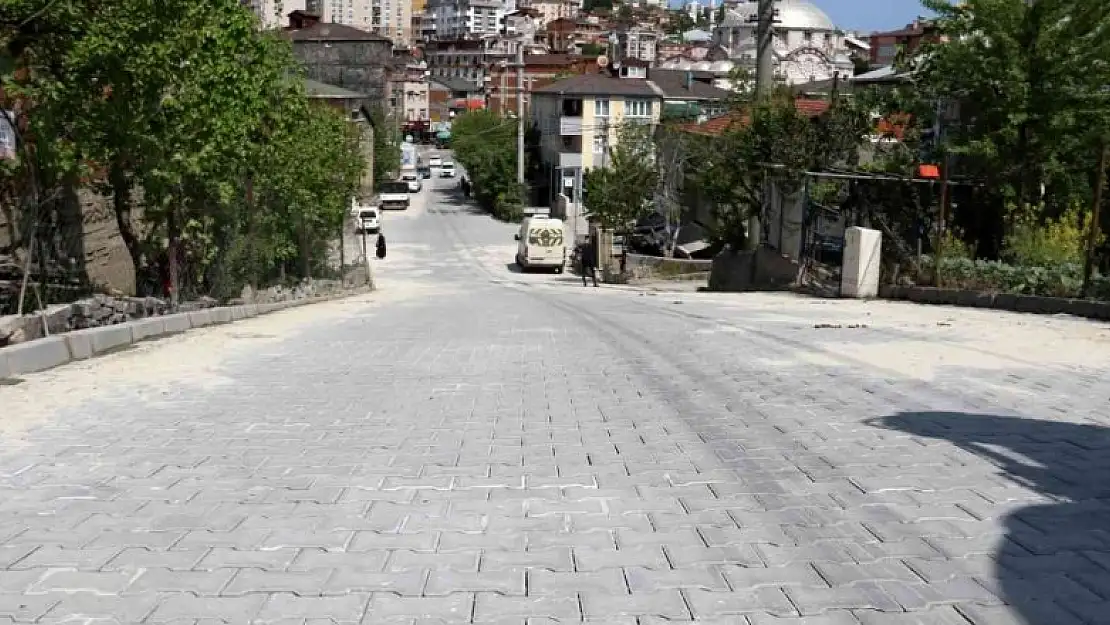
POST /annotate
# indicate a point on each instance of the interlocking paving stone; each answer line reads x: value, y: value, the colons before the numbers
x: 454, y: 450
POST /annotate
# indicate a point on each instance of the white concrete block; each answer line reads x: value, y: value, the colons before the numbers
x: 200, y: 318
x: 176, y: 323
x: 221, y: 314
x: 862, y: 263
x: 151, y: 327
x: 93, y: 341
x: 37, y: 355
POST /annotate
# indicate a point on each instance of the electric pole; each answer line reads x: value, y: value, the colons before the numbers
x: 765, y: 57
x: 520, y: 111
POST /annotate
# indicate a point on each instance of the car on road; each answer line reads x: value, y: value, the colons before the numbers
x: 394, y: 195
x: 368, y: 221
x: 435, y: 161
x: 413, y: 180
x: 541, y: 243
x: 447, y: 170
x: 424, y: 171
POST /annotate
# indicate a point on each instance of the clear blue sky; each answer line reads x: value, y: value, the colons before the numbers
x: 869, y: 15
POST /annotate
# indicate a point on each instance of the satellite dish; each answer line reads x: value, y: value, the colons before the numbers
x: 602, y: 61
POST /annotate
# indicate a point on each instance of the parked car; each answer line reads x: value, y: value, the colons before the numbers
x: 435, y: 161
x: 447, y: 170
x: 368, y: 221
x: 412, y: 179
x: 394, y: 194
x: 541, y: 244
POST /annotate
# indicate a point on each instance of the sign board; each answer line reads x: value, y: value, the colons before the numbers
x: 408, y: 155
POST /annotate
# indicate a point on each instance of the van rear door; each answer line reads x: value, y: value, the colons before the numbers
x: 545, y: 242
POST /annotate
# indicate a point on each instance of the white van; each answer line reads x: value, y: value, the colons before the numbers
x: 541, y: 244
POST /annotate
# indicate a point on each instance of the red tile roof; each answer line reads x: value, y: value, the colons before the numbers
x: 719, y: 125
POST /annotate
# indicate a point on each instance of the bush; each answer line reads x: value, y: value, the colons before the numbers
x: 1060, y: 280
x: 1032, y: 243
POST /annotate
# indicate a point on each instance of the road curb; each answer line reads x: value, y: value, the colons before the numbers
x: 55, y: 351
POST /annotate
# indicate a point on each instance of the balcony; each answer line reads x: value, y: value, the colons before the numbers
x: 570, y: 160
x: 570, y: 126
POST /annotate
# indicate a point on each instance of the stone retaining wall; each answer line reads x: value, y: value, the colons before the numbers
x: 999, y: 301
x: 640, y: 267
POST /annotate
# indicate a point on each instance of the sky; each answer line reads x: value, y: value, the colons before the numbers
x: 870, y: 15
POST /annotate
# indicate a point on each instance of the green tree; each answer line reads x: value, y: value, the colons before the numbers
x: 770, y: 142
x: 387, y: 146
x: 485, y: 144
x: 1030, y: 79
x: 620, y: 192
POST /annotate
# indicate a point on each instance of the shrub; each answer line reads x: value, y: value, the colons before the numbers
x: 1032, y: 243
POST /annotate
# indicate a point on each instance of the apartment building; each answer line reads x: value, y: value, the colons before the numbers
x: 389, y: 18
x: 274, y: 13
x: 459, y: 19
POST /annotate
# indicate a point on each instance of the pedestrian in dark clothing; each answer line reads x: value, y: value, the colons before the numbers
x: 589, y: 261
x: 465, y: 184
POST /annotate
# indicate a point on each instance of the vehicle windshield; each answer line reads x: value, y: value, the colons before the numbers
x: 408, y: 177
x: 448, y: 165
x: 395, y: 187
x: 368, y: 214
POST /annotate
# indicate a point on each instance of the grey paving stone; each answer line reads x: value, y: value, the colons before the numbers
x: 542, y: 582
x: 556, y: 559
x: 71, y: 581
x: 346, y: 581
x: 349, y: 608
x: 300, y: 583
x: 179, y: 607
x: 451, y: 609
x: 200, y: 583
x: 225, y: 557
x: 711, y: 604
x: 492, y: 607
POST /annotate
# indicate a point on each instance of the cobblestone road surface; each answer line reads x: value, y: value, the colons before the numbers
x: 472, y: 445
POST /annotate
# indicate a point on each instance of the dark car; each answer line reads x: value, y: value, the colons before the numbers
x: 424, y: 171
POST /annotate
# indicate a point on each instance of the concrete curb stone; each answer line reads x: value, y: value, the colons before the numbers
x: 38, y: 355
x: 47, y: 353
x: 1034, y: 304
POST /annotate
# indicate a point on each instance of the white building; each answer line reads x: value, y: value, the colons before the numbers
x: 388, y: 18
x: 807, y: 46
x: 275, y: 13
x: 459, y: 19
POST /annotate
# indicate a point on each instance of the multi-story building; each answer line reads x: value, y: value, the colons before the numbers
x: 343, y: 56
x: 885, y: 46
x: 275, y: 13
x: 458, y: 19
x: 470, y: 59
x: 551, y: 10
x: 388, y: 18
x: 579, y: 117
x: 636, y: 42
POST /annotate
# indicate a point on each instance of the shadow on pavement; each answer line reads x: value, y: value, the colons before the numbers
x: 514, y: 268
x: 1054, y: 566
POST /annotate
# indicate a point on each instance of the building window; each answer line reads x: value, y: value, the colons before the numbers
x: 808, y: 36
x: 599, y: 143
x: 637, y: 108
x: 601, y: 107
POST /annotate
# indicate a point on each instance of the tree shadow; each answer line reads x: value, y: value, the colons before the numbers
x: 1054, y: 565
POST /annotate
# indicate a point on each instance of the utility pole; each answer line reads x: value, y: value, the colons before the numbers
x: 1093, y: 230
x: 520, y: 111
x: 765, y: 58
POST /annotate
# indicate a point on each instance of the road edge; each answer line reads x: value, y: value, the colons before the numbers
x: 61, y: 349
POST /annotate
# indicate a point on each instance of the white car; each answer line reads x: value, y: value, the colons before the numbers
x: 413, y: 180
x: 447, y: 170
x: 435, y: 161
x: 368, y: 221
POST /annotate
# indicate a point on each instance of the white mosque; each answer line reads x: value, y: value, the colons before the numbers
x: 807, y: 46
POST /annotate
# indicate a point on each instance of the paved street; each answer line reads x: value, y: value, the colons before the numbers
x: 475, y: 445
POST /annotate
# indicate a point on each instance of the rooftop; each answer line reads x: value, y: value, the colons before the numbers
x: 333, y: 32
x: 602, y: 84
x: 324, y: 91
x: 720, y: 125
x: 674, y: 85
x: 455, y: 83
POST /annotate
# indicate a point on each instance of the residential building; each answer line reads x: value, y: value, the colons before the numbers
x: 634, y: 43
x: 274, y: 13
x: 342, y: 55
x: 457, y: 19
x: 409, y: 89
x: 570, y: 35
x: 884, y: 47
x: 551, y: 10
x: 540, y: 70
x: 388, y: 18
x: 807, y: 46
x: 450, y: 96
x: 470, y: 59
x: 579, y: 117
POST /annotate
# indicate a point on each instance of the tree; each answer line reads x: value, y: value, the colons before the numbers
x: 594, y: 5
x: 619, y: 193
x: 193, y: 121
x: 770, y: 142
x: 485, y: 145
x: 1030, y: 80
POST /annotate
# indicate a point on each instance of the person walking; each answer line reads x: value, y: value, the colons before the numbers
x: 589, y: 261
